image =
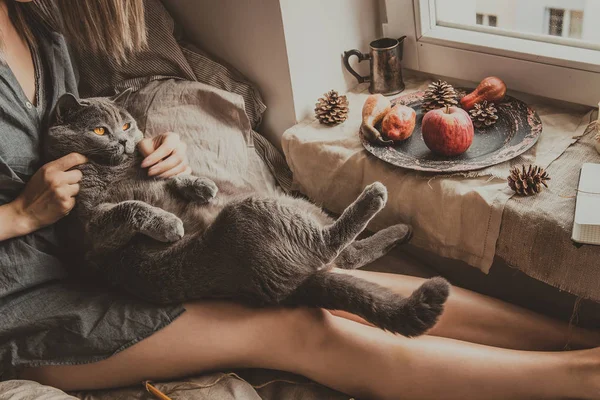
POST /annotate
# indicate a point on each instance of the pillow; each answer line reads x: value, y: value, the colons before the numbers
x: 223, y: 76
x: 164, y: 59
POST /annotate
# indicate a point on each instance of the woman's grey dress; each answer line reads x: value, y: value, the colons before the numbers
x: 45, y: 319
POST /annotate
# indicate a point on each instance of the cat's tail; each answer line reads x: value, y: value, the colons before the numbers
x: 410, y: 316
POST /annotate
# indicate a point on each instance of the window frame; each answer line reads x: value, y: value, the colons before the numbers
x: 550, y: 67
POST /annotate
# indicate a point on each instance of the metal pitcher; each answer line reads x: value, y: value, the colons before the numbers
x: 386, y: 65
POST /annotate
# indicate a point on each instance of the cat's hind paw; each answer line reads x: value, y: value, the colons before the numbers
x: 374, y: 197
x: 401, y: 233
x: 423, y: 308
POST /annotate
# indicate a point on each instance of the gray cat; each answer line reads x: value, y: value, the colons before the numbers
x: 176, y: 240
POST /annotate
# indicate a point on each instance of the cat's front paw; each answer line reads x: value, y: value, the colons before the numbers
x: 163, y: 226
x: 195, y: 189
x: 204, y: 189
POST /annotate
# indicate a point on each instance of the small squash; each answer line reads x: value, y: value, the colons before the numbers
x: 491, y: 89
x: 375, y: 109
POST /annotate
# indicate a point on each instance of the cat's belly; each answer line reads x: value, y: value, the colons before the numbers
x: 196, y: 217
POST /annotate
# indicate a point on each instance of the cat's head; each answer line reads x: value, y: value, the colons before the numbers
x: 99, y: 128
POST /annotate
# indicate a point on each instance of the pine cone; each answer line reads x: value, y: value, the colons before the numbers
x: 332, y: 109
x: 484, y: 114
x: 527, y: 182
x: 439, y: 95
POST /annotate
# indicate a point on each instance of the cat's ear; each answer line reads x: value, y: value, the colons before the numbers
x: 65, y: 104
x: 122, y: 97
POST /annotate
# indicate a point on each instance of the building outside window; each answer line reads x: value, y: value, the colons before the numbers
x: 531, y: 42
x: 576, y: 28
x: 482, y: 19
x: 559, y: 18
x: 565, y: 23
x: 556, y: 20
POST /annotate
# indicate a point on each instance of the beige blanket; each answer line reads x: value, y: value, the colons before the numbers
x: 454, y: 216
x: 535, y: 236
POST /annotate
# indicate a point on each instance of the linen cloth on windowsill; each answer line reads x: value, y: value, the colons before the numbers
x: 457, y: 216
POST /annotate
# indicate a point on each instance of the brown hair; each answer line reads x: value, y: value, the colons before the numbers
x: 114, y: 28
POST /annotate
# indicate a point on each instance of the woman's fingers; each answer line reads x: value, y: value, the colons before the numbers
x: 67, y: 162
x: 66, y: 192
x: 73, y: 190
x: 174, y: 171
x: 146, y: 146
x: 72, y: 177
x: 169, y: 144
x: 165, y: 155
x: 174, y: 160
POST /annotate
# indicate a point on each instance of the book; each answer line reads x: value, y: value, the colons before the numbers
x: 586, y: 227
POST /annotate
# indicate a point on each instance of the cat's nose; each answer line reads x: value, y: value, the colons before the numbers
x: 128, y: 145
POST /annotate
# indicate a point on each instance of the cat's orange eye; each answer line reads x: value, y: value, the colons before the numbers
x: 99, y: 131
x: 126, y: 126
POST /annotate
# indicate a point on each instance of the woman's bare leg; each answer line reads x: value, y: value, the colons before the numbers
x: 351, y: 357
x: 475, y: 318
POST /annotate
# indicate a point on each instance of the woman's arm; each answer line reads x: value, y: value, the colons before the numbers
x: 48, y: 196
x: 13, y: 223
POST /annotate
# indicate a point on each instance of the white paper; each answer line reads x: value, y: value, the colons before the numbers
x: 587, y: 213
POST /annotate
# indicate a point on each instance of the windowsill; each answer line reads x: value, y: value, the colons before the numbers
x: 519, y: 48
x: 527, y: 97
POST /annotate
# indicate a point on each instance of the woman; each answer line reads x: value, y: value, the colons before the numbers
x: 58, y: 333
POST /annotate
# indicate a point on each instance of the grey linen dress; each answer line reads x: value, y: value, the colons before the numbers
x: 45, y: 318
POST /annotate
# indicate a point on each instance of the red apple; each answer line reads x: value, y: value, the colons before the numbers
x: 448, y: 131
x: 399, y: 123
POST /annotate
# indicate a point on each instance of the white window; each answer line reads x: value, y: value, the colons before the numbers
x: 545, y: 47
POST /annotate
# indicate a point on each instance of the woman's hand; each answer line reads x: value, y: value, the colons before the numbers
x: 48, y: 196
x: 165, y: 155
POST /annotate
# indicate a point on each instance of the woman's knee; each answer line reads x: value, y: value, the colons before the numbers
x: 255, y: 332
x: 309, y: 329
